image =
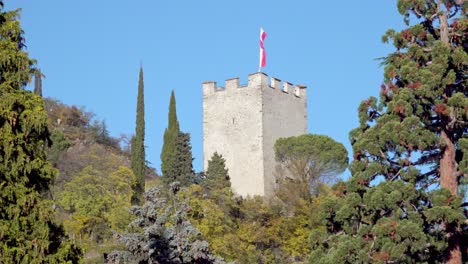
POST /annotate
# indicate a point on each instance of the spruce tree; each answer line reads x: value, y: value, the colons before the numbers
x: 181, y: 168
x: 402, y: 203
x: 28, y: 233
x: 170, y: 137
x: 166, y: 235
x: 138, y: 158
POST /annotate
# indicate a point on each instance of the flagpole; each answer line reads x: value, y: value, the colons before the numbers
x: 260, y: 55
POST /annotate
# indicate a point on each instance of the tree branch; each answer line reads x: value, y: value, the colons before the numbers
x: 330, y: 237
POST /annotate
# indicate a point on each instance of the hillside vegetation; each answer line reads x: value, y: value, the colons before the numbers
x: 72, y: 193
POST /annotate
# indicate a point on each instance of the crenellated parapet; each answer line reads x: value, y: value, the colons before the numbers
x: 257, y: 80
x: 242, y: 123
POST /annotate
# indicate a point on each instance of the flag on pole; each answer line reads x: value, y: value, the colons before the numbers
x: 262, y: 62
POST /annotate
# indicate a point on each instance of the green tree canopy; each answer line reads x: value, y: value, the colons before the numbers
x: 97, y: 202
x: 28, y: 233
x: 166, y: 235
x: 138, y: 158
x: 311, y: 159
x: 217, y: 176
x: 181, y: 169
x: 170, y: 139
x: 401, y: 204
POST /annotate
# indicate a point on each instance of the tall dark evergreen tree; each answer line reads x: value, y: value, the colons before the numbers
x: 38, y: 82
x: 402, y: 204
x: 217, y: 176
x: 138, y: 158
x: 28, y: 233
x: 170, y: 138
x: 181, y: 168
x: 217, y: 187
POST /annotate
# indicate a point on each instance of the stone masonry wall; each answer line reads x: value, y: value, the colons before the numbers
x: 284, y: 115
x: 232, y: 126
x: 243, y: 122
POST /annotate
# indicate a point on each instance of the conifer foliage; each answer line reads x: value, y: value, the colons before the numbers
x: 311, y: 161
x: 217, y: 177
x: 38, y: 83
x: 170, y: 137
x: 28, y: 233
x: 167, y: 237
x: 181, y: 168
x: 138, y: 158
x: 176, y: 154
x: 410, y: 151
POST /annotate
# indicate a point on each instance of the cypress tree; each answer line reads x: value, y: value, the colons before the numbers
x: 28, y: 233
x: 38, y: 83
x: 170, y: 137
x: 138, y: 158
x: 402, y: 204
x: 181, y: 168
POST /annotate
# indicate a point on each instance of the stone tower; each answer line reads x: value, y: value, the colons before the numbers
x: 242, y: 123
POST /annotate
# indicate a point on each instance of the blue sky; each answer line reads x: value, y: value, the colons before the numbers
x: 90, y: 52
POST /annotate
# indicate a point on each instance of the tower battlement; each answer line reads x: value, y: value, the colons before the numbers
x: 256, y: 80
x: 242, y: 123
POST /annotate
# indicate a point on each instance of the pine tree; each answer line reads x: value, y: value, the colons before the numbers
x: 402, y: 204
x: 310, y: 161
x: 181, y: 169
x: 138, y: 158
x: 170, y: 137
x: 217, y: 176
x: 28, y: 233
x: 38, y: 83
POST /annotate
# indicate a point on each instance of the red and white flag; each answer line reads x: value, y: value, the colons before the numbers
x: 262, y: 62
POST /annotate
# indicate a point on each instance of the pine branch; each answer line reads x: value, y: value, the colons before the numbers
x: 416, y: 11
x: 330, y: 237
x: 396, y: 175
x: 426, y: 158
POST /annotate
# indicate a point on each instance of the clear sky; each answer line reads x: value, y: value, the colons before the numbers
x: 90, y: 52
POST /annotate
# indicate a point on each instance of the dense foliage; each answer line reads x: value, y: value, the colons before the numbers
x: 96, y: 199
x: 217, y: 177
x: 402, y: 203
x: 94, y: 185
x: 310, y: 160
x: 28, y: 232
x: 176, y: 154
x: 252, y: 229
x: 170, y: 140
x: 163, y: 233
x: 138, y: 145
x: 181, y: 169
